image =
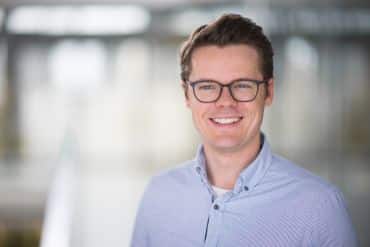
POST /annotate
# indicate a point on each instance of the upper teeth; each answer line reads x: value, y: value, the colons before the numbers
x: 225, y: 120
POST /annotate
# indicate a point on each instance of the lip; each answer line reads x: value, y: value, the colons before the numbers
x: 230, y: 125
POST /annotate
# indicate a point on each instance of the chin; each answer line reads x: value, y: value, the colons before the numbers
x: 225, y: 145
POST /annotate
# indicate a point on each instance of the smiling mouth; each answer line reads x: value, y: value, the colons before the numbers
x: 226, y: 121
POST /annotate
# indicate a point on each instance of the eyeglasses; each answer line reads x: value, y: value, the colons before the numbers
x: 241, y: 90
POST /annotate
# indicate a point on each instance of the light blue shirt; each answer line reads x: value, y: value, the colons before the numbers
x: 274, y: 203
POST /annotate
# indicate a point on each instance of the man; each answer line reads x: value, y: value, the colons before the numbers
x: 236, y: 192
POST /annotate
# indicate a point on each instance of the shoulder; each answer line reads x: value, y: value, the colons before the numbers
x: 285, y: 169
x: 169, y: 182
x: 162, y: 191
x: 296, y: 180
x: 159, y: 196
x: 323, y: 200
x: 179, y: 175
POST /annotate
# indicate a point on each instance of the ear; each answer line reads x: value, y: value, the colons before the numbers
x: 269, y: 92
x: 184, y: 86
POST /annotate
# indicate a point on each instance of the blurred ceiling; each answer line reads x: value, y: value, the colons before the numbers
x: 179, y: 17
x: 168, y: 4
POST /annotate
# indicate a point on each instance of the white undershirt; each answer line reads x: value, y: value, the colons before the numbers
x: 219, y: 191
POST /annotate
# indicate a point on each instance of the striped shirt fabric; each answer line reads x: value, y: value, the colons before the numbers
x: 274, y: 203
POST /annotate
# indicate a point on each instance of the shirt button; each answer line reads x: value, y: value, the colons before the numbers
x: 246, y: 188
x: 216, y: 207
x: 198, y: 169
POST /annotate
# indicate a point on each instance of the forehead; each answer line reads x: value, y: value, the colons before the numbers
x: 225, y: 63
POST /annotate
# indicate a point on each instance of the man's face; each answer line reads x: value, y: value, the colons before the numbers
x: 225, y: 64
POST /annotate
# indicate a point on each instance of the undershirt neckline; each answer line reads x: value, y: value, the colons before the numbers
x: 219, y: 191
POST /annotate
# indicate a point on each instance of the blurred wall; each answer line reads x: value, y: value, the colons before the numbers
x: 89, y: 111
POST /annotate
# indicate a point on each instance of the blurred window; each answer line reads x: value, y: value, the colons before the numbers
x: 80, y: 20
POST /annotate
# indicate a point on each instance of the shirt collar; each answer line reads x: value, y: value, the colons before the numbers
x: 200, y: 163
x: 250, y: 176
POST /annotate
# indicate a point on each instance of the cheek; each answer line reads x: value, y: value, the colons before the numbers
x: 253, y: 114
x: 199, y: 120
x: 199, y: 114
x: 200, y: 117
x: 197, y: 110
x: 258, y: 116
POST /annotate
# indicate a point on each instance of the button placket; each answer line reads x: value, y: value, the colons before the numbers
x: 198, y: 169
x: 239, y: 186
x: 214, y: 223
x: 219, y: 204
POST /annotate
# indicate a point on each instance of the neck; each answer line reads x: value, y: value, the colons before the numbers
x: 224, y: 167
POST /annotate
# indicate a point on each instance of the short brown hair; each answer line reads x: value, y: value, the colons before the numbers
x: 227, y: 30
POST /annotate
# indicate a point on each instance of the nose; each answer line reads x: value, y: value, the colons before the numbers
x: 225, y: 98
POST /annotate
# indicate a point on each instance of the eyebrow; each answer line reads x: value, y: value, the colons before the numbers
x: 231, y: 81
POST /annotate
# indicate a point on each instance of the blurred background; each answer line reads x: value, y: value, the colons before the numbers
x: 91, y: 107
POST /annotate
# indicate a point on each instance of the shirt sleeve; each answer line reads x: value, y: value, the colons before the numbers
x: 333, y: 226
x: 140, y: 236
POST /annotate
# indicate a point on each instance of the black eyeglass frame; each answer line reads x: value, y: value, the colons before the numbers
x: 228, y: 85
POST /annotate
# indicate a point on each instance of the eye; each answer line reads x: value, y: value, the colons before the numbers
x: 207, y: 86
x: 243, y: 85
